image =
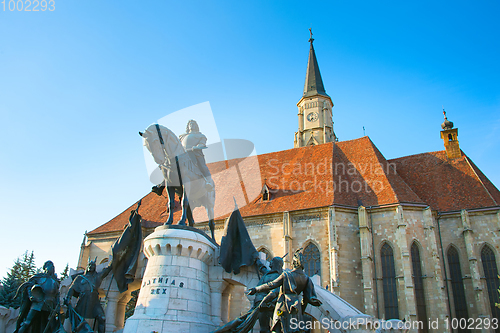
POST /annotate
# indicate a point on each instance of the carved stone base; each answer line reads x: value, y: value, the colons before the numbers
x: 175, y: 293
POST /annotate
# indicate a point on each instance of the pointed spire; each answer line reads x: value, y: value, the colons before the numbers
x: 314, y: 83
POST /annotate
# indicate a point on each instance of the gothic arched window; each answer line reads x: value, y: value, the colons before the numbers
x: 457, y: 285
x: 267, y: 253
x: 418, y: 283
x: 491, y: 274
x: 389, y: 283
x: 312, y: 260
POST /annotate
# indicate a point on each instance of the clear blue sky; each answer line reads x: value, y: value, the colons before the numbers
x: 77, y: 83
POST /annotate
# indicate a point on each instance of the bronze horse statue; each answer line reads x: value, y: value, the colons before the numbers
x: 181, y: 174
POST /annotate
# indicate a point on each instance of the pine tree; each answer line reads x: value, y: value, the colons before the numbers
x: 130, y: 307
x: 21, y: 271
x: 10, y: 285
x: 28, y: 266
x: 65, y: 273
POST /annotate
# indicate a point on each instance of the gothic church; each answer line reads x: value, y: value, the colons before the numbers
x: 413, y: 238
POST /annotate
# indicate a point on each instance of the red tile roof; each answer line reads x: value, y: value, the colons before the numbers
x: 447, y: 185
x: 349, y: 173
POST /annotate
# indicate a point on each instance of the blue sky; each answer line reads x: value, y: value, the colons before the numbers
x: 79, y: 82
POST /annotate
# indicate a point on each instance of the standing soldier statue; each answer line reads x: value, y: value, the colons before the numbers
x: 291, y: 285
x: 267, y: 310
x: 40, y: 306
x: 85, y: 288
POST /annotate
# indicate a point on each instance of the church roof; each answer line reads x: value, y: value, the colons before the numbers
x: 447, y: 185
x: 348, y: 173
x: 314, y: 84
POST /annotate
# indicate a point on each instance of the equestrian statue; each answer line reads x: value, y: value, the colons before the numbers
x: 184, y: 170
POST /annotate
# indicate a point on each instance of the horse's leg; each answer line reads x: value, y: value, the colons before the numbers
x: 189, y: 215
x: 185, y: 206
x: 211, y: 224
x: 170, y: 203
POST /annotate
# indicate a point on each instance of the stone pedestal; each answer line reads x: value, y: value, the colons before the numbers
x: 175, y: 292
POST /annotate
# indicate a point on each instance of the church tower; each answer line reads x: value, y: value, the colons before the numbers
x: 450, y: 138
x: 315, y: 108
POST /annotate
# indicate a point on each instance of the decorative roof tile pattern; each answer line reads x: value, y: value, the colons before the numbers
x: 348, y: 173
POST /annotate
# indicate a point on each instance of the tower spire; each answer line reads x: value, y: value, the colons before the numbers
x: 315, y: 107
x: 314, y: 83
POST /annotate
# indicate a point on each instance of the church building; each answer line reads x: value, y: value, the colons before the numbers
x: 414, y: 238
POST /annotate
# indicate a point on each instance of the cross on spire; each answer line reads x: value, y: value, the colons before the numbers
x: 311, y: 39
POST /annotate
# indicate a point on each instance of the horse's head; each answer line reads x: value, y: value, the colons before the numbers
x: 171, y: 145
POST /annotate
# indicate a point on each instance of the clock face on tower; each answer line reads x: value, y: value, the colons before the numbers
x: 313, y: 116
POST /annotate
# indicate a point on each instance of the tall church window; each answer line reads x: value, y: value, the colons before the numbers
x: 312, y: 260
x: 457, y: 285
x: 418, y: 283
x: 491, y: 274
x: 389, y: 283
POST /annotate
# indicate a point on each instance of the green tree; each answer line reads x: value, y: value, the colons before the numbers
x: 130, y: 307
x: 28, y: 266
x: 22, y: 270
x: 64, y: 273
x: 10, y: 284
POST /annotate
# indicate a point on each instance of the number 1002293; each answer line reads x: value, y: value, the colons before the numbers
x: 28, y: 5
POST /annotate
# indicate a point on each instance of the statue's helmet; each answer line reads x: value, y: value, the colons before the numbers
x: 277, y: 264
x: 298, y: 259
x: 192, y: 126
x: 49, y: 268
x: 91, y: 265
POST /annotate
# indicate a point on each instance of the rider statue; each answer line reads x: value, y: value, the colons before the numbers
x: 194, y: 142
x: 85, y: 287
x: 40, y: 302
x: 289, y: 308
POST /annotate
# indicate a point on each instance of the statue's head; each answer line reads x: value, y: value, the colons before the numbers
x: 49, y: 268
x: 192, y: 127
x: 91, y: 265
x: 277, y: 264
x: 298, y: 259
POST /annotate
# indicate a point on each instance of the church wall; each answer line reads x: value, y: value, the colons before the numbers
x: 452, y: 235
x: 349, y: 285
x: 100, y: 248
x: 484, y: 226
x: 266, y: 231
x: 400, y: 227
x: 312, y: 226
x: 384, y: 229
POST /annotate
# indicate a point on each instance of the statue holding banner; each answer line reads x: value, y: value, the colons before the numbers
x: 85, y: 287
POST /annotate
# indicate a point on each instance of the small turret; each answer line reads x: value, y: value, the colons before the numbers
x: 450, y: 138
